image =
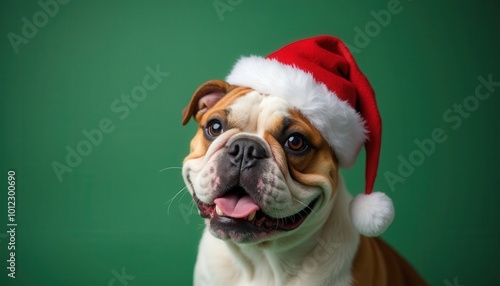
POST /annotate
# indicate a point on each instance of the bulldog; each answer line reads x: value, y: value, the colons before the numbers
x: 264, y: 173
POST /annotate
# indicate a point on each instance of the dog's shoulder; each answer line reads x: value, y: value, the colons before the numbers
x: 376, y: 263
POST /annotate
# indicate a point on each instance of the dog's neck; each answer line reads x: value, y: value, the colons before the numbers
x: 326, y: 246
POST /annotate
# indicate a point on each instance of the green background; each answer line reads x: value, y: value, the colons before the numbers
x: 116, y: 211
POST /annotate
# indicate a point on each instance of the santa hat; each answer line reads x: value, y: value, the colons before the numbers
x: 319, y: 77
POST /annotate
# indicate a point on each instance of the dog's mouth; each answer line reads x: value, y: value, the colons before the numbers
x: 237, y: 214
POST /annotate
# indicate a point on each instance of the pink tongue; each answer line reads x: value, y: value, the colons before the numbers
x: 235, y: 206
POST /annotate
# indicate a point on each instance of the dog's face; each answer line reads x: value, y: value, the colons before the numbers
x: 257, y: 169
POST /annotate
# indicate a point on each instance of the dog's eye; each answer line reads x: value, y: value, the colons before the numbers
x: 295, y: 142
x: 214, y: 128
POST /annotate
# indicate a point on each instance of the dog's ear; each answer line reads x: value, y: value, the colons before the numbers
x: 206, y: 96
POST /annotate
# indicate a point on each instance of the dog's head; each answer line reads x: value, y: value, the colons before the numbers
x: 268, y: 147
x: 257, y: 168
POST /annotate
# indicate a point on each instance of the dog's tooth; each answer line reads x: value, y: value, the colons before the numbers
x: 251, y: 216
x: 218, y: 210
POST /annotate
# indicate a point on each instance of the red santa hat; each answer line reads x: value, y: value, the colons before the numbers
x: 319, y: 77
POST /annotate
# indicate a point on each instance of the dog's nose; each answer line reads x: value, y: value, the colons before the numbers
x: 245, y: 152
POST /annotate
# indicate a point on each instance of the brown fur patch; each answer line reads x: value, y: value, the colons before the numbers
x: 199, y: 144
x: 319, y: 161
x: 378, y: 264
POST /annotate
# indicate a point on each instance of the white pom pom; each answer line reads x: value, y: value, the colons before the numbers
x: 371, y: 214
